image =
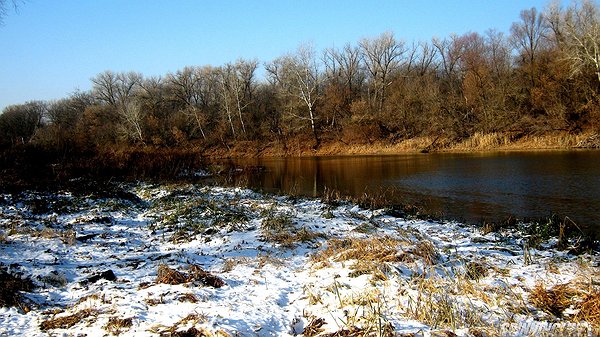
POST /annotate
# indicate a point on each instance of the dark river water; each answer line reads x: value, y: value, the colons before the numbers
x: 467, y: 187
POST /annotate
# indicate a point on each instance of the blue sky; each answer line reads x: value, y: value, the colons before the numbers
x: 49, y: 49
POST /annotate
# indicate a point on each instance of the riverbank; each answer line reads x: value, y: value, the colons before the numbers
x: 300, y: 147
x: 184, y: 260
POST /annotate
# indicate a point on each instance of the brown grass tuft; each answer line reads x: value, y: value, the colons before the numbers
x: 427, y: 251
x: 589, y: 309
x: 553, y: 301
x: 280, y: 229
x: 476, y: 270
x: 208, y: 279
x: 314, y: 327
x: 377, y: 249
x: 10, y: 291
x: 67, y: 322
x: 188, y: 297
x: 117, y: 325
x: 167, y: 275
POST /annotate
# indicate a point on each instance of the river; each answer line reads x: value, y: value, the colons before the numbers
x: 468, y: 187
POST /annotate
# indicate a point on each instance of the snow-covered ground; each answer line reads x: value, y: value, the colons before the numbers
x: 290, y: 267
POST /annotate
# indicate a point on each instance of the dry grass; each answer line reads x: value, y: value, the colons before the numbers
x: 485, y: 141
x: 66, y: 322
x: 589, y: 310
x: 68, y: 236
x: 314, y: 327
x: 475, y: 270
x: 198, y: 274
x: 167, y: 275
x: 11, y: 287
x: 230, y: 263
x: 281, y: 230
x: 117, y: 325
x: 186, y: 327
x: 554, y: 300
x: 427, y: 252
x: 376, y: 249
x: 187, y: 297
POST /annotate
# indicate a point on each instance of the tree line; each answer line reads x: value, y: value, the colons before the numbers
x: 543, y: 76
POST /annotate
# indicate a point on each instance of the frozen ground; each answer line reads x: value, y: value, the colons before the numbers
x: 290, y: 267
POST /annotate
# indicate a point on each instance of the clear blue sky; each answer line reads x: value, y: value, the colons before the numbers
x: 48, y: 49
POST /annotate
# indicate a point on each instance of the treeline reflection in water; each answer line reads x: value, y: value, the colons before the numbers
x: 468, y: 187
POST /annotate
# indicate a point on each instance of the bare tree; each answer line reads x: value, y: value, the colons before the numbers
x: 237, y: 87
x: 581, y: 28
x: 19, y: 123
x: 450, y: 51
x: 527, y: 37
x: 298, y: 75
x: 226, y: 74
x: 116, y: 88
x: 132, y: 114
x: 120, y: 91
x: 196, y: 89
x: 344, y: 66
x: 381, y: 56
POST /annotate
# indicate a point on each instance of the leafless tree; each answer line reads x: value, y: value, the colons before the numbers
x: 120, y: 90
x: 528, y: 37
x: 344, y: 66
x: 116, y: 88
x: 237, y: 86
x: 195, y: 89
x: 381, y: 57
x: 581, y: 27
x: 298, y: 75
x: 19, y: 123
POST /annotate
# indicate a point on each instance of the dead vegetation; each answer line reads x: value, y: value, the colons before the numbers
x: 66, y: 322
x: 12, y: 286
x: 195, y: 273
x: 555, y: 300
x: 187, y: 327
x: 280, y: 229
x: 374, y: 255
x: 589, y: 310
x: 117, y: 325
x: 376, y: 249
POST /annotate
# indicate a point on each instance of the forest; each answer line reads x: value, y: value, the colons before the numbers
x: 541, y: 77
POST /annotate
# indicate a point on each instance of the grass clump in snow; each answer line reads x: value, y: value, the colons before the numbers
x: 195, y: 273
x: 358, y: 314
x: 280, y: 229
x: 589, y: 310
x: 557, y: 299
x: 187, y: 327
x: 12, y: 286
x: 66, y: 322
x: 376, y: 249
x: 117, y: 325
x: 189, y: 215
x: 554, y: 300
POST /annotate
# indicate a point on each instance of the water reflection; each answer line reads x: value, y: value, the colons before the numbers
x: 471, y: 187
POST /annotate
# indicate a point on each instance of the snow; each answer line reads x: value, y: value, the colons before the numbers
x: 271, y: 288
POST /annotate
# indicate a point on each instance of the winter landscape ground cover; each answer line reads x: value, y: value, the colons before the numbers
x: 187, y: 260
